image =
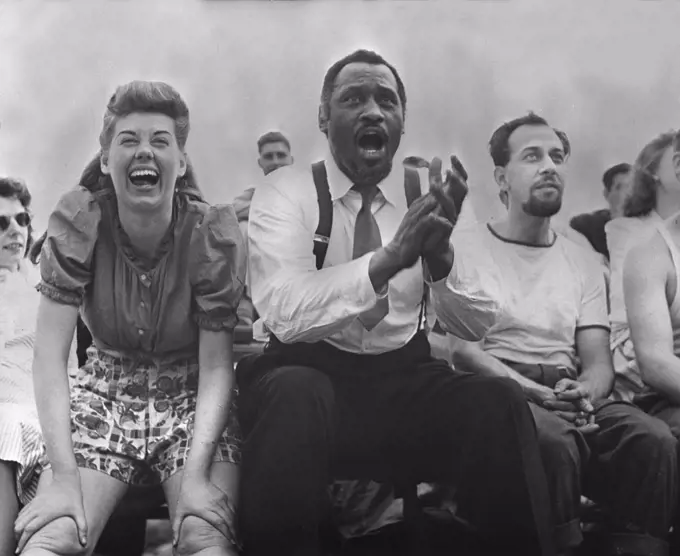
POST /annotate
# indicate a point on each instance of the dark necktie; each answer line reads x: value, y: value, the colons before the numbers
x: 366, y: 239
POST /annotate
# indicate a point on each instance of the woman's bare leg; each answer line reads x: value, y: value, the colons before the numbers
x: 101, y: 495
x: 197, y: 537
x: 9, y: 507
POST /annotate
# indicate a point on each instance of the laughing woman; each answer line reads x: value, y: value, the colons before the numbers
x: 158, y: 275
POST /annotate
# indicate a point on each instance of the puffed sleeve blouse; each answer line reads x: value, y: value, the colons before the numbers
x: 133, y: 305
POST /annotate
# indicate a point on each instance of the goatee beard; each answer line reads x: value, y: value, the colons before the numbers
x: 542, y: 209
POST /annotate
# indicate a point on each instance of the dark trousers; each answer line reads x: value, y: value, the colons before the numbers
x: 629, y: 466
x: 668, y: 413
x: 310, y: 412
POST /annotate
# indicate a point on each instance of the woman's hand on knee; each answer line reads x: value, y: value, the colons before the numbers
x: 61, y: 498
x: 202, y: 499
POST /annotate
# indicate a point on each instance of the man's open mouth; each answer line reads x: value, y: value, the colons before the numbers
x: 144, y: 177
x: 372, y: 143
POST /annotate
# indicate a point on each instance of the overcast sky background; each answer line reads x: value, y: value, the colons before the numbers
x: 605, y: 72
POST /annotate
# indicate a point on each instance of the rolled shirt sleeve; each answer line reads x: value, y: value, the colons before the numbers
x: 66, y: 256
x: 218, y: 266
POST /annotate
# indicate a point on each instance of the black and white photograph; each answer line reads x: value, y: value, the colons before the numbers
x: 339, y: 278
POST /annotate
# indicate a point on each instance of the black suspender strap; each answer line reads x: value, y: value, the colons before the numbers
x: 323, y: 197
x: 322, y: 236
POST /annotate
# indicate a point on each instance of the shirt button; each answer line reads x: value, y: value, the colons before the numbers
x: 143, y: 277
x: 140, y: 332
x: 142, y: 305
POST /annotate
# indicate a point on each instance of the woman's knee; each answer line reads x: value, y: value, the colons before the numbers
x: 197, y: 535
x: 59, y: 537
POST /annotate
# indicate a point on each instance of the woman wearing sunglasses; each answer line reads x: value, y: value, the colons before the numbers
x: 21, y: 447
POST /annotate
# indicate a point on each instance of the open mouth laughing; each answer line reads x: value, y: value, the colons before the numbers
x: 372, y: 143
x: 144, y: 177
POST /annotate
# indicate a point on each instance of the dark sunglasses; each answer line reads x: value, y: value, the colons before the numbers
x: 23, y: 219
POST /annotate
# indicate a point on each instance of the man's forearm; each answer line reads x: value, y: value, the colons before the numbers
x: 599, y: 380
x: 383, y: 266
x: 478, y: 361
x: 311, y: 306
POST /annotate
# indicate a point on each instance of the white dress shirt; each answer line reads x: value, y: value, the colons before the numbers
x: 299, y: 303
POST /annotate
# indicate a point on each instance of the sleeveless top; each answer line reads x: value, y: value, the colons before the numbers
x: 674, y: 309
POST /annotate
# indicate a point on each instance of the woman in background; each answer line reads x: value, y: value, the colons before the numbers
x: 21, y: 445
x: 654, y: 197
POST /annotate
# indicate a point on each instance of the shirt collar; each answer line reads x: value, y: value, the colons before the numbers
x: 392, y: 187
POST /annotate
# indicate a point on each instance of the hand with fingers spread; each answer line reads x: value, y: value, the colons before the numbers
x: 61, y: 498
x: 451, y: 191
x: 437, y: 250
x: 200, y: 498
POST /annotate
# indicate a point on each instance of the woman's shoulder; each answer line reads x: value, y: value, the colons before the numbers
x: 208, y: 219
x: 79, y: 209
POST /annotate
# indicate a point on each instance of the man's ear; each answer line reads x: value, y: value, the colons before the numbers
x: 323, y: 119
x: 500, y: 177
x: 676, y: 164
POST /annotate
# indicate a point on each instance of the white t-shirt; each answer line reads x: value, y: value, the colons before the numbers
x: 548, y: 293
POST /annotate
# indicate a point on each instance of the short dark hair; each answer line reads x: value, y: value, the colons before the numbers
x: 611, y: 173
x: 13, y: 188
x: 499, y: 144
x: 358, y: 56
x: 272, y: 137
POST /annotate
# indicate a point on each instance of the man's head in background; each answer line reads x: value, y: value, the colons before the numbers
x: 530, y: 157
x: 617, y: 181
x: 274, y: 151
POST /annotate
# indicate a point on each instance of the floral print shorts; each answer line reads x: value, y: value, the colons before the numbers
x: 133, y: 418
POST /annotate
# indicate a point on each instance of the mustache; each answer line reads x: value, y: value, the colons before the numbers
x: 549, y: 179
